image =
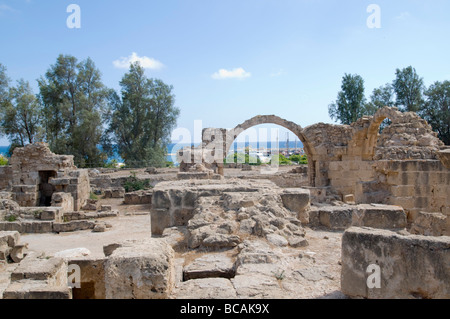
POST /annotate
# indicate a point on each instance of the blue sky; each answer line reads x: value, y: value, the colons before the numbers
x: 231, y: 60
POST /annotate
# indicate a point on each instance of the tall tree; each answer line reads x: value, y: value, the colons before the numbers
x: 408, y: 87
x: 350, y: 102
x: 4, y: 85
x: 74, y: 100
x: 436, y: 109
x: 21, y: 116
x: 381, y: 97
x: 142, y: 118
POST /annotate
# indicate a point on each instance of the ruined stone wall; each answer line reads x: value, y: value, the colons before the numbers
x: 420, y: 185
x: 35, y: 162
x: 6, y: 175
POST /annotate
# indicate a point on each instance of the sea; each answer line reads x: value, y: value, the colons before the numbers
x: 173, y: 148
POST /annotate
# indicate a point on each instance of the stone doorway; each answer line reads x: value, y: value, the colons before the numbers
x: 46, y: 189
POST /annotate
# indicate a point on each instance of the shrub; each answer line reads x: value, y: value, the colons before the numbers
x: 242, y: 158
x: 11, y: 218
x: 93, y: 196
x: 134, y: 184
x: 300, y: 159
x: 3, y: 161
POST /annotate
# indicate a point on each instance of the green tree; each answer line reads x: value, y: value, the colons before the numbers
x: 4, y: 85
x: 141, y: 119
x: 21, y: 116
x: 408, y: 87
x: 381, y: 97
x: 436, y: 109
x: 350, y: 102
x: 74, y: 101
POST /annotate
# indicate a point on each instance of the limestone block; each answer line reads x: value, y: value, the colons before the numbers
x: 11, y: 226
x: 409, y: 266
x: 431, y: 224
x: 379, y: 216
x: 92, y: 279
x: 206, y: 288
x: 35, y: 227
x: 73, y: 226
x: 298, y: 201
x: 63, y: 200
x: 53, y: 271
x: 35, y: 289
x: 160, y: 219
x: 334, y: 217
x: 209, y: 266
x: 9, y: 238
x: 140, y: 270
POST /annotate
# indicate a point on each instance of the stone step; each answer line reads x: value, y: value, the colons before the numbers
x: 36, y: 289
x: 53, y: 270
x: 210, y: 266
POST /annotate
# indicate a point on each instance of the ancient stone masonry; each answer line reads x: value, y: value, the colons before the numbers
x: 219, y: 214
x: 406, y: 164
x: 38, y: 174
x: 402, y: 266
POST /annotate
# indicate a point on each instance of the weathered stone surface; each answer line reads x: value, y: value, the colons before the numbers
x: 140, y: 270
x: 410, y: 266
x: 92, y: 281
x: 73, y: 226
x: 114, y: 192
x: 223, y: 211
x: 431, y: 224
x: 73, y: 253
x: 53, y: 270
x: 368, y: 215
x: 63, y: 200
x: 297, y: 200
x: 277, y: 240
x: 209, y: 266
x: 138, y: 197
x: 9, y: 238
x: 35, y: 289
x: 380, y: 216
x: 206, y: 288
x: 334, y: 217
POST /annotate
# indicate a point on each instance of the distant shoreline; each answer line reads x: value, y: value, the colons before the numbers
x: 173, y: 148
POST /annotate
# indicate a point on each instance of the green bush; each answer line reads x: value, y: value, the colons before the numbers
x: 283, y: 160
x: 300, y: 159
x: 111, y: 164
x: 10, y: 218
x: 133, y: 184
x: 242, y: 158
x: 93, y: 196
x: 3, y: 161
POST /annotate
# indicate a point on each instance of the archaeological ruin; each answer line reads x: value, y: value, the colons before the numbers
x: 372, y: 201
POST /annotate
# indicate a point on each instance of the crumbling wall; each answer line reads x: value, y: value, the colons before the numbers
x: 38, y: 173
x: 6, y: 175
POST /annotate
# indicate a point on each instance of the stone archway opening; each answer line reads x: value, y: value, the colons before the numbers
x: 232, y: 135
x: 258, y: 143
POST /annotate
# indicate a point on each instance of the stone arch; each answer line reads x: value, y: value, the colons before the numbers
x: 373, y: 130
x: 409, y: 137
x: 232, y: 134
x: 270, y: 119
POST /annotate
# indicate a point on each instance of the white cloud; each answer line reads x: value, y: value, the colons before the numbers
x: 403, y: 16
x: 146, y: 62
x: 278, y: 73
x: 238, y: 73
